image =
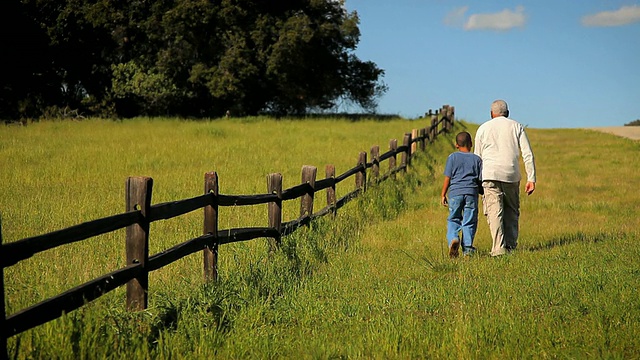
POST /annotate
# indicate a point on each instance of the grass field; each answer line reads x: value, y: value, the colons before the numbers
x: 373, y: 283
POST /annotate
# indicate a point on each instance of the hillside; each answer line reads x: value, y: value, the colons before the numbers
x: 631, y: 132
x: 376, y: 282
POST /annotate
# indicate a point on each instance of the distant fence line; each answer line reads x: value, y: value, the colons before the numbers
x: 139, y: 214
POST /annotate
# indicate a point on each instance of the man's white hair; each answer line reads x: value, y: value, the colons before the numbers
x: 500, y: 108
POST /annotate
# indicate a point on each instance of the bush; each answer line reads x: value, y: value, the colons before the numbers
x: 633, y: 123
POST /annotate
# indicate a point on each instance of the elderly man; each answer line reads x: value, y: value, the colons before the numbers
x: 500, y: 142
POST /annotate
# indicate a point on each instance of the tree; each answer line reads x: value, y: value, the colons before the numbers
x: 198, y: 57
x: 27, y: 80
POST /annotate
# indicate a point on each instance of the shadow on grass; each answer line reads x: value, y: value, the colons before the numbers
x: 578, y: 237
x: 351, y: 117
x: 212, y: 306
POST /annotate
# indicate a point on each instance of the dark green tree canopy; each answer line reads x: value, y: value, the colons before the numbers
x: 183, y: 57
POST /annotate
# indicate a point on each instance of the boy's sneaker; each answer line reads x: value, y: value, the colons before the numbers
x: 453, y: 249
x: 469, y: 251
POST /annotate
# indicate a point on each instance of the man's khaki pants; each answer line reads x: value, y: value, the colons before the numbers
x: 501, y: 206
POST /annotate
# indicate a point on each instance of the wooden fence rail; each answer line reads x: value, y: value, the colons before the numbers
x: 140, y: 214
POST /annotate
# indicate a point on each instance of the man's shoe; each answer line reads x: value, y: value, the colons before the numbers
x: 453, y: 249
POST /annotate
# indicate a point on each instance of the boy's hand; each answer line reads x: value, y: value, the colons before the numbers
x: 444, y: 201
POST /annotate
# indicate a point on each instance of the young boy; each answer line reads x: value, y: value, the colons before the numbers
x: 463, y: 181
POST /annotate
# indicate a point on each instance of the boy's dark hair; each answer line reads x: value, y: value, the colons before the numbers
x: 463, y: 139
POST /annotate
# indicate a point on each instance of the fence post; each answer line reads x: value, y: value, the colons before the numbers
x: 274, y: 186
x: 409, y: 141
x: 423, y: 135
x: 306, y: 201
x: 393, y: 146
x: 414, y: 146
x: 138, y: 197
x: 434, y: 127
x: 375, y: 159
x: 361, y: 177
x: 3, y: 315
x: 445, y: 114
x: 453, y: 115
x: 211, y: 227
x: 330, y: 173
x: 406, y: 155
x: 445, y: 117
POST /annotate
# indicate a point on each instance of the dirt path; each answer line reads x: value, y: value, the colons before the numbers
x: 631, y: 132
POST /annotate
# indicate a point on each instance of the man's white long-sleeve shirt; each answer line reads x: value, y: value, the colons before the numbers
x: 499, y: 142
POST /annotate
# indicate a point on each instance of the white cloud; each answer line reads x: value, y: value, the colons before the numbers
x: 502, y: 21
x: 623, y: 16
x: 456, y: 17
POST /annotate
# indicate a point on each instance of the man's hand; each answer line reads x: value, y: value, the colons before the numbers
x: 444, y: 201
x: 530, y: 187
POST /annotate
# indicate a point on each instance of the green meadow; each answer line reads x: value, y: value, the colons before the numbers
x: 373, y: 282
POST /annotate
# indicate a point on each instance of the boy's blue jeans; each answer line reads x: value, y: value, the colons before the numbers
x: 463, y: 216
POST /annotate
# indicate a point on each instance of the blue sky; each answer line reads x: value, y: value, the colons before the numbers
x: 558, y: 64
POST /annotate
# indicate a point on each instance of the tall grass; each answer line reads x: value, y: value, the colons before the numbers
x: 373, y: 283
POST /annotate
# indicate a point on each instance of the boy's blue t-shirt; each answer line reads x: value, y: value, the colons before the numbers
x: 465, y: 171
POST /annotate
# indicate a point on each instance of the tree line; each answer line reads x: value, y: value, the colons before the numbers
x: 190, y: 58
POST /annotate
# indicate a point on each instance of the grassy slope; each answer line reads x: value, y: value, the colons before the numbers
x: 380, y: 285
x: 568, y: 292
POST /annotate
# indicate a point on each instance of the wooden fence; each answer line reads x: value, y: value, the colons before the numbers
x: 140, y: 214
